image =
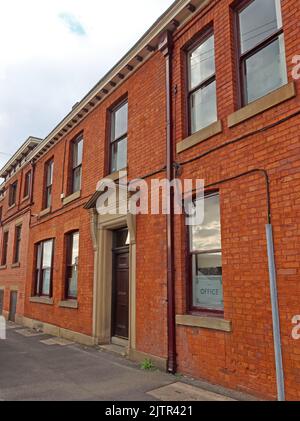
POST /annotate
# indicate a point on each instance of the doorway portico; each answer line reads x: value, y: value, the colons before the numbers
x: 114, y: 290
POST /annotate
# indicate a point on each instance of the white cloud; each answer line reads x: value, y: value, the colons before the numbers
x: 45, y: 67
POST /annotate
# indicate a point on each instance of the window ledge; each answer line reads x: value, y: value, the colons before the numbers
x: 3, y: 267
x: 213, y: 323
x: 71, y: 198
x: 12, y: 207
x: 116, y: 175
x: 69, y: 304
x: 42, y: 300
x: 200, y: 136
x: 15, y: 265
x: 263, y: 104
x: 44, y: 212
x: 25, y: 199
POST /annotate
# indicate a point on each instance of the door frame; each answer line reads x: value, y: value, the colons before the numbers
x: 2, y: 290
x: 11, y: 293
x: 102, y: 227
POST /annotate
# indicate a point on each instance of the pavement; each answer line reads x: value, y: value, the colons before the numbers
x: 39, y: 367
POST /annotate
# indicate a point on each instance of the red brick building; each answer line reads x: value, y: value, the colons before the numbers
x: 207, y: 93
x: 15, y: 203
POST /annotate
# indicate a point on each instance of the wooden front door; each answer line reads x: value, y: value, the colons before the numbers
x: 13, y: 306
x: 1, y: 301
x: 120, y: 302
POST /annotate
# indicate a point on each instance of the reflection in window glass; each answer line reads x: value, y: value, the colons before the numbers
x: 44, y: 257
x: 265, y: 71
x: 258, y: 20
x: 202, y: 85
x: 202, y: 62
x: 206, y: 259
x: 262, y: 59
x: 77, y: 147
x: 72, y: 265
x: 121, y: 121
x: 119, y: 125
x: 203, y: 107
x: 208, y: 235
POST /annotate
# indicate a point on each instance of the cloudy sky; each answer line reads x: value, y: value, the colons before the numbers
x: 53, y: 51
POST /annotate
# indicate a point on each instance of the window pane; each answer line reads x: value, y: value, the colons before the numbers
x: 119, y: 155
x: 39, y: 256
x: 203, y: 107
x: 75, y: 248
x: 47, y: 254
x: 257, y: 21
x: 266, y: 70
x: 202, y: 62
x: 72, y: 282
x: 17, y: 244
x: 77, y: 179
x: 120, y: 121
x: 46, y: 282
x: 37, y: 278
x: 77, y: 153
x: 50, y: 173
x: 48, y: 197
x: 207, y: 282
x: 208, y: 235
x: 120, y: 238
x: 27, y: 184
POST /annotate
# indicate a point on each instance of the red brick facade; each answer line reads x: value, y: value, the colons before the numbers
x: 13, y: 272
x: 235, y: 162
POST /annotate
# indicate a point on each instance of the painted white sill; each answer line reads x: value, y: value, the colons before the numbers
x: 213, y: 323
x: 42, y: 300
x: 71, y: 198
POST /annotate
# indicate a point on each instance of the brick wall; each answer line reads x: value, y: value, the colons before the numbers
x: 146, y: 145
x: 244, y: 359
x: 12, y: 277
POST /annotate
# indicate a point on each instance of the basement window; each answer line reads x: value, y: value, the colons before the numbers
x: 205, y: 260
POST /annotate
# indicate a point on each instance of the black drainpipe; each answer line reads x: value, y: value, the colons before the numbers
x: 165, y: 46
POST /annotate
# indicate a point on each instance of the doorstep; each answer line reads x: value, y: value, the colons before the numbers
x: 114, y: 349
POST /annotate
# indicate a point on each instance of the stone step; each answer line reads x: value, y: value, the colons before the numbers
x: 115, y: 349
x: 119, y: 341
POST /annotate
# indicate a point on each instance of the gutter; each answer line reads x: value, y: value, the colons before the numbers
x: 166, y: 47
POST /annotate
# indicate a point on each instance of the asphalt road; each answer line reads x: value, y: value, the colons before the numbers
x: 38, y: 367
x: 32, y: 370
